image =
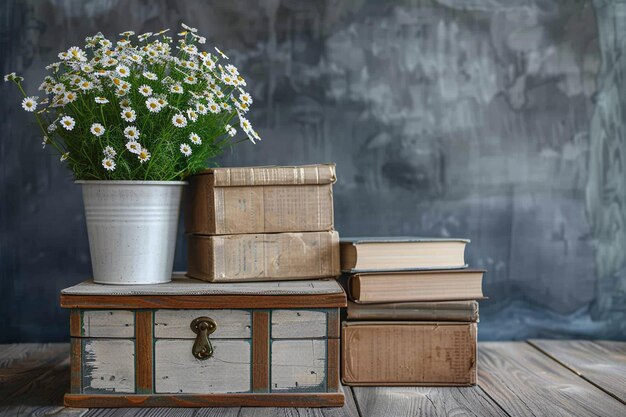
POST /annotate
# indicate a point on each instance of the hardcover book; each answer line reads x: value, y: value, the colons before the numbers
x: 392, y: 287
x: 263, y: 257
x: 401, y: 253
x: 423, y: 311
x: 260, y: 200
x: 408, y: 353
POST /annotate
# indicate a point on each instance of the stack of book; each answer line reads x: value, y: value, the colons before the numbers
x: 261, y: 224
x: 413, y: 315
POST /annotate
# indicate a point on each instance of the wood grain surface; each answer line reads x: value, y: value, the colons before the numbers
x: 525, y: 382
x: 601, y: 363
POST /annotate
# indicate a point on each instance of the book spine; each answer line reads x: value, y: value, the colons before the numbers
x: 444, y: 311
x: 264, y: 257
x: 257, y: 209
x: 256, y: 176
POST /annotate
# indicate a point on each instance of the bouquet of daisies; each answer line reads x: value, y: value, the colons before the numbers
x: 153, y: 110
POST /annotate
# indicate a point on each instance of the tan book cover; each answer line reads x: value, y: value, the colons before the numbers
x: 408, y: 353
x: 400, y: 286
x: 263, y: 257
x: 260, y: 200
x: 426, y: 311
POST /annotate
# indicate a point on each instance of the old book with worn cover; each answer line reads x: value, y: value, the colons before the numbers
x: 260, y: 200
x: 401, y: 253
x: 423, y: 311
x: 408, y: 353
x: 263, y: 257
x: 395, y: 287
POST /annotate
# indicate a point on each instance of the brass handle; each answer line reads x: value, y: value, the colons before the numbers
x: 203, y: 327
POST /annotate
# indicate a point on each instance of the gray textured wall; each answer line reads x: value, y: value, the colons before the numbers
x: 497, y: 120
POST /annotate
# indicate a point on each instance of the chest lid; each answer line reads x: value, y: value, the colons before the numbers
x: 185, y: 292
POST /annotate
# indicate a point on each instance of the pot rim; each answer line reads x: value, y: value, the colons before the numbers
x: 128, y: 182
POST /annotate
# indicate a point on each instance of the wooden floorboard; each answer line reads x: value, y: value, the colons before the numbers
x: 555, y: 378
x: 424, y: 401
x: 348, y: 410
x: 42, y: 395
x: 603, y: 363
x: 525, y: 382
x: 22, y: 363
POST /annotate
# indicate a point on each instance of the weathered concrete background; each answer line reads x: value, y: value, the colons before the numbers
x: 497, y: 120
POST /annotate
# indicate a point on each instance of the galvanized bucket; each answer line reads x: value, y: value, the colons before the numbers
x: 132, y: 229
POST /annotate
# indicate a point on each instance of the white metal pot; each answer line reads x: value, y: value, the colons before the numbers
x: 132, y: 229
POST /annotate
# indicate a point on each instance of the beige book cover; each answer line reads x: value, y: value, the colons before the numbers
x: 408, y: 353
x: 263, y: 257
x: 260, y: 200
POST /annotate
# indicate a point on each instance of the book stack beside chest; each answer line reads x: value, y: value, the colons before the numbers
x: 413, y: 315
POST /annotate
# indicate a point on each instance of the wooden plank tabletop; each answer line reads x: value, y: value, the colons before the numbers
x: 536, y: 378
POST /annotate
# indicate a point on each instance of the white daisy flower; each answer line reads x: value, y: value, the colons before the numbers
x: 122, y: 70
x: 143, y: 155
x: 128, y: 114
x: 242, y: 106
x: 109, y: 62
x: 86, y: 85
x: 136, y: 58
x: 125, y: 102
x: 64, y: 56
x: 177, y: 89
x: 162, y: 101
x: 87, y: 68
x: 108, y: 164
x: 125, y: 87
x: 190, y: 29
x: 225, y: 106
x: 101, y: 100
x: 245, y: 124
x: 245, y: 98
x: 195, y: 138
x: 150, y: 75
x: 132, y: 133
x: 210, y: 64
x: 232, y: 70
x: 153, y: 105
x: 109, y: 152
x: 133, y: 146
x: 127, y: 33
x: 97, y: 129
x: 213, y: 107
x: 105, y: 43
x: 228, y: 78
x: 179, y: 120
x: 68, y: 122
x: 222, y: 54
x: 145, y: 90
x: 231, y: 130
x: 64, y: 156
x: 70, y: 96
x: 192, y: 115
x: 190, y: 79
x: 58, y: 88
x: 185, y: 149
x: 29, y: 103
x: 76, y: 53
x: 201, y: 108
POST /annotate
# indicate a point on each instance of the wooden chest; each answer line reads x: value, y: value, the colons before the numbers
x: 194, y: 344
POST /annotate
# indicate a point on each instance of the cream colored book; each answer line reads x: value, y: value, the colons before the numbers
x: 395, y: 287
x: 401, y: 253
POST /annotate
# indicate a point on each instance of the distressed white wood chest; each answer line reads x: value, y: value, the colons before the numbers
x: 190, y: 343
